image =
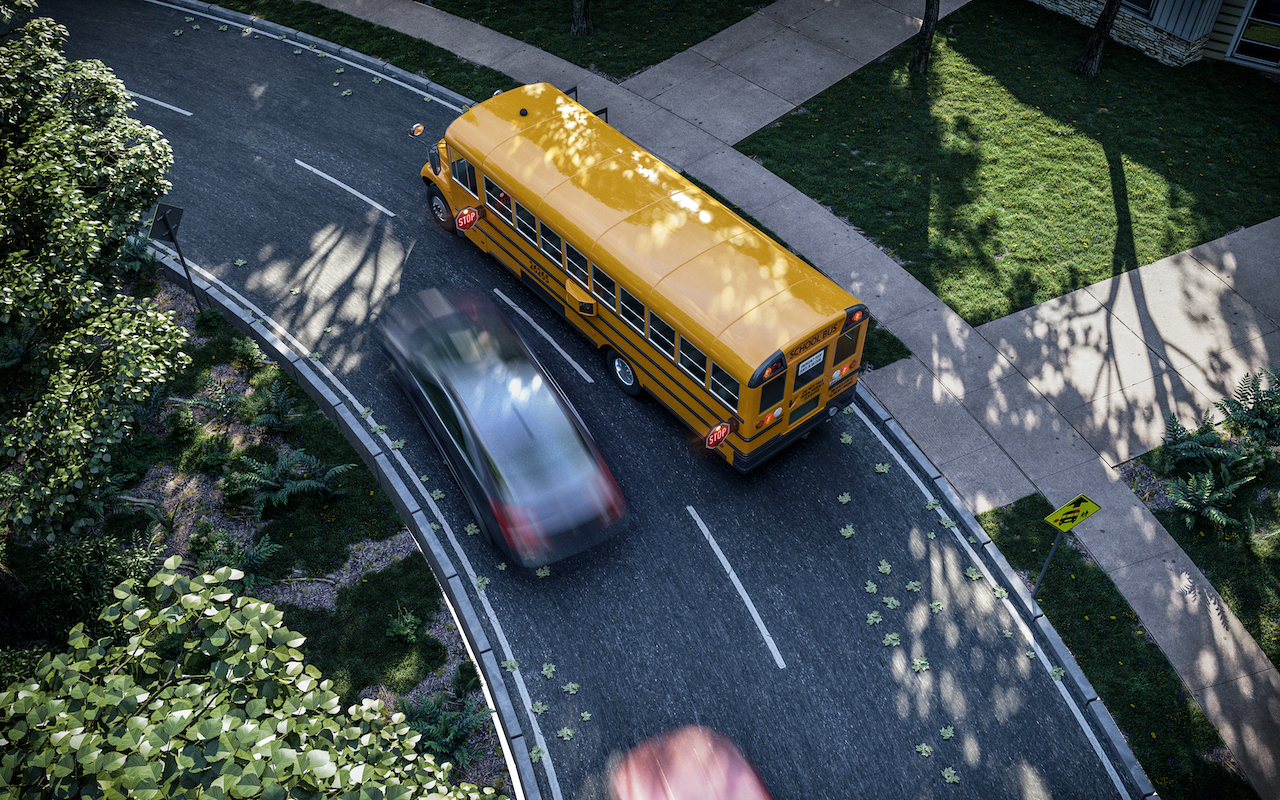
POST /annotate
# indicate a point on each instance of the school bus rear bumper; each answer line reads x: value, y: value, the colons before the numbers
x: 745, y: 462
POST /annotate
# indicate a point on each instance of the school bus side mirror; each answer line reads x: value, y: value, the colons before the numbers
x: 417, y: 130
x: 434, y: 160
x: 579, y: 299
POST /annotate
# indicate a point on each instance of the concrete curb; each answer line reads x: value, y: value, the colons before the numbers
x: 214, y: 294
x: 1000, y: 572
x: 274, y: 30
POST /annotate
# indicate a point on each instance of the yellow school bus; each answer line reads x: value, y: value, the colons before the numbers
x: 744, y: 342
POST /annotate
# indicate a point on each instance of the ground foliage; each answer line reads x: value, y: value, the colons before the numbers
x: 196, y: 692
x: 75, y: 355
x: 1178, y: 748
x: 1002, y: 180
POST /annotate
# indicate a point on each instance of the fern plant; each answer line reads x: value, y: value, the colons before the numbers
x: 1204, y: 497
x: 293, y: 473
x: 278, y: 415
x: 446, y: 724
x: 1254, y: 412
x: 1203, y: 446
x: 215, y: 549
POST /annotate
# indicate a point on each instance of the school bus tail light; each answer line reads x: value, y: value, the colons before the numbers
x: 853, y: 316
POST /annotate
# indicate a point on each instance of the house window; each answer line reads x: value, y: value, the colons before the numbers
x: 1144, y: 6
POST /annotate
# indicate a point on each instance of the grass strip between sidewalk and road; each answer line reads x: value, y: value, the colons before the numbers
x: 1001, y: 180
x: 396, y: 48
x: 1178, y: 747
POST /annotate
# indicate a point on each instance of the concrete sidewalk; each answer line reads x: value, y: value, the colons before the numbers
x: 1049, y: 399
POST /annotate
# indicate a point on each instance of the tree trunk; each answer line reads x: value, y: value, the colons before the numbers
x: 924, y: 40
x: 1090, y: 62
x: 581, y: 18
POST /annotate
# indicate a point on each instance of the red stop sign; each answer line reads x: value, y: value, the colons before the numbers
x: 466, y: 218
x: 718, y: 434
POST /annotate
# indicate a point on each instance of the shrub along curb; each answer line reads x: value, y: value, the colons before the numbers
x: 1044, y: 637
x: 382, y: 462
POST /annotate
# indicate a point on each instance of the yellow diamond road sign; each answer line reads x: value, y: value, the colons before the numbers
x: 1073, y: 513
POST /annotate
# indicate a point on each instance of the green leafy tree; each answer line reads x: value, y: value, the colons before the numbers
x: 76, y: 356
x: 199, y: 693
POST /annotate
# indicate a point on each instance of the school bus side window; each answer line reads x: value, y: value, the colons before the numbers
x: 527, y: 224
x: 551, y: 243
x: 771, y: 393
x: 604, y: 287
x: 693, y: 360
x: 464, y: 174
x: 723, y: 386
x: 575, y: 264
x: 497, y: 199
x: 631, y: 309
x: 662, y: 335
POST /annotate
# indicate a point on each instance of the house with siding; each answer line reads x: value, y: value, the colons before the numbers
x: 1177, y: 32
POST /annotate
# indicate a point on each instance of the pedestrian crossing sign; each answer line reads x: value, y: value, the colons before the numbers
x: 1073, y: 513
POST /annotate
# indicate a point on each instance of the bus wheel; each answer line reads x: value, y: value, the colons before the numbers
x: 440, y: 209
x: 623, y: 374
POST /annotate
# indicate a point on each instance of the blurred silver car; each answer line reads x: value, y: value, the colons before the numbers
x: 530, y: 471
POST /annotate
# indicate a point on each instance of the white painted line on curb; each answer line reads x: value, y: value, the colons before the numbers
x: 337, y: 182
x: 545, y: 335
x: 160, y: 103
x: 1045, y: 663
x: 733, y: 576
x: 340, y: 59
x: 501, y: 636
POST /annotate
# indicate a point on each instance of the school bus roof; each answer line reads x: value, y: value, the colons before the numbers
x: 684, y: 254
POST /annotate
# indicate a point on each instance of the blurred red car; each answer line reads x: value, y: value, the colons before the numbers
x: 689, y: 763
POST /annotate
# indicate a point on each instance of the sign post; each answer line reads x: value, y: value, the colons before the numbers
x: 1064, y: 519
x: 164, y: 228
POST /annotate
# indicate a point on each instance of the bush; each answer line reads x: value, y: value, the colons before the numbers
x: 446, y: 724
x: 1254, y: 412
x: 404, y: 628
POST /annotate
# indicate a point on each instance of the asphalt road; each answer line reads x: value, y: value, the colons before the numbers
x: 651, y: 624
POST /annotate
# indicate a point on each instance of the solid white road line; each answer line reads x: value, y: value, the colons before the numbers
x: 159, y: 103
x: 545, y: 335
x: 337, y: 182
x: 733, y: 576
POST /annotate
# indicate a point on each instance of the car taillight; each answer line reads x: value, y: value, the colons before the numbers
x: 522, y: 530
x: 613, y: 506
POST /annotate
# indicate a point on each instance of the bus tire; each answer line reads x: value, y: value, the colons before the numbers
x: 440, y: 210
x: 622, y: 373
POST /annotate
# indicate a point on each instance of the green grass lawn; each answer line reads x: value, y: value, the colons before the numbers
x: 627, y: 37
x: 1002, y: 180
x: 1172, y: 739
